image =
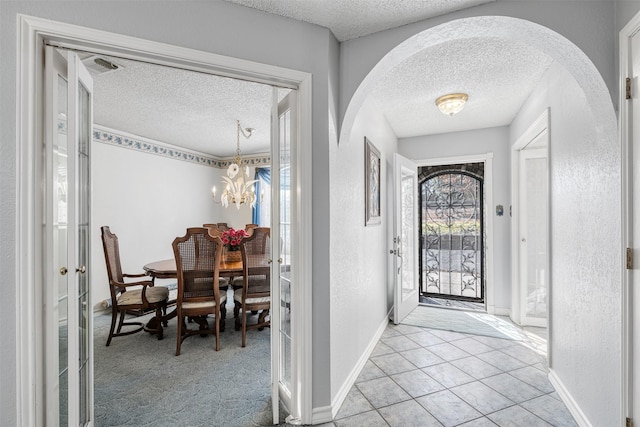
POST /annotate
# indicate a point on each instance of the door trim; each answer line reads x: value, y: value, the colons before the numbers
x: 487, y: 159
x: 624, y: 130
x: 32, y: 32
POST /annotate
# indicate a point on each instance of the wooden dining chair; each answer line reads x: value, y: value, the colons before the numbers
x: 255, y: 294
x: 197, y: 256
x: 125, y: 297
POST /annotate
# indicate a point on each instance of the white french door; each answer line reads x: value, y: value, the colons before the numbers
x: 405, y: 235
x: 633, y: 291
x: 284, y: 245
x: 534, y: 231
x: 68, y: 319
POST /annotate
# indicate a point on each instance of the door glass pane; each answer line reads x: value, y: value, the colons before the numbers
x: 408, y: 235
x: 536, y: 232
x: 83, y: 244
x: 61, y: 186
x: 451, y: 229
x: 285, y: 249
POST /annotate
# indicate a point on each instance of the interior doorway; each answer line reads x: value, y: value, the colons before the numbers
x: 530, y: 225
x: 32, y: 102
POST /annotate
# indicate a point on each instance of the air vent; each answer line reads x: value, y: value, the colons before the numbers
x: 98, y: 65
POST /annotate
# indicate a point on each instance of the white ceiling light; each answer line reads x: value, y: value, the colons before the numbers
x: 241, y: 191
x: 452, y: 103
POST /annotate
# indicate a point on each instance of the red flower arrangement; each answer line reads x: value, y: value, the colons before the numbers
x: 232, y: 238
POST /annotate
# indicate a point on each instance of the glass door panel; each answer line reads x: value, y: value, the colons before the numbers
x: 68, y: 321
x: 283, y: 157
x: 405, y: 249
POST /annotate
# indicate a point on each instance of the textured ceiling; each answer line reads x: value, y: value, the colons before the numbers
x: 199, y: 111
x: 349, y: 19
x: 184, y: 108
x: 497, y: 75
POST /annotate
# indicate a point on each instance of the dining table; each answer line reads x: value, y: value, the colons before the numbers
x: 166, y: 269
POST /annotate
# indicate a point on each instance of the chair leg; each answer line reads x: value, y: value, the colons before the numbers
x: 217, y: 328
x: 223, y: 316
x: 236, y: 309
x: 244, y: 327
x: 114, y: 315
x: 159, y: 322
x: 179, y: 337
x: 165, y: 322
x: 121, y: 322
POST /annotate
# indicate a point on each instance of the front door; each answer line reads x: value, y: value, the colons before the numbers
x: 68, y: 321
x: 405, y: 237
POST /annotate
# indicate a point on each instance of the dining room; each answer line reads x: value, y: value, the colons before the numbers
x: 171, y: 150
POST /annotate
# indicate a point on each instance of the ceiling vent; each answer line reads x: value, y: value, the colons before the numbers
x: 98, y: 65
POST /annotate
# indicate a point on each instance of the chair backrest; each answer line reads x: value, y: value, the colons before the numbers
x: 256, y: 260
x: 197, y: 256
x: 112, y: 258
x: 220, y: 226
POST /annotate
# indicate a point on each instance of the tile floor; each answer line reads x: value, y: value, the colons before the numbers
x: 431, y: 377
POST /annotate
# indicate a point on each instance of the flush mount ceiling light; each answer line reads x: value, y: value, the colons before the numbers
x: 452, y: 103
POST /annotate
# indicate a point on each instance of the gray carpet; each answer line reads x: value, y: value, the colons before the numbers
x: 140, y: 382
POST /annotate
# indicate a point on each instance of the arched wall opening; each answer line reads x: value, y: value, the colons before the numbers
x: 556, y: 46
x: 585, y: 203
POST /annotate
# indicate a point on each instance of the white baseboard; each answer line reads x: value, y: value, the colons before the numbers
x: 501, y: 311
x: 337, y: 401
x: 568, y: 400
x: 321, y: 415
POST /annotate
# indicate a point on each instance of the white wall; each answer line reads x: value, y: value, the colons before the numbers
x: 480, y: 141
x: 148, y: 201
x: 361, y: 292
x: 585, y: 246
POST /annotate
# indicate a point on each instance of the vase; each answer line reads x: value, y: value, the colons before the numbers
x: 232, y: 256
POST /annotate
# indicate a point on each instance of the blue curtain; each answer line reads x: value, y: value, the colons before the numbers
x: 262, y: 175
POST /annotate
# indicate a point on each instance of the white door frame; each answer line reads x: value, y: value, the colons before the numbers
x: 487, y: 159
x: 32, y: 32
x: 625, y: 123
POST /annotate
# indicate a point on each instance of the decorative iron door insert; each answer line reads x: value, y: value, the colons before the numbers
x: 451, y: 241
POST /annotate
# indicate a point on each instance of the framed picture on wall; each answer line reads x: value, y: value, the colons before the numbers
x: 371, y: 183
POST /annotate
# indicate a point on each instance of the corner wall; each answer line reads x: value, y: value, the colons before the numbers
x: 361, y: 292
x: 584, y: 327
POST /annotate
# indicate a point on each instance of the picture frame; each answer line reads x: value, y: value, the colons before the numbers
x: 371, y: 183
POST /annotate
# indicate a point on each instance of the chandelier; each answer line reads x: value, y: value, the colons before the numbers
x: 241, y: 191
x: 452, y: 103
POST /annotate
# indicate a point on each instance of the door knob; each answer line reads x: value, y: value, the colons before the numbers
x: 63, y: 271
x: 82, y: 269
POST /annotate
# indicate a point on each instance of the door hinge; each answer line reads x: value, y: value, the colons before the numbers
x: 628, y: 88
x: 629, y: 259
x: 629, y: 422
